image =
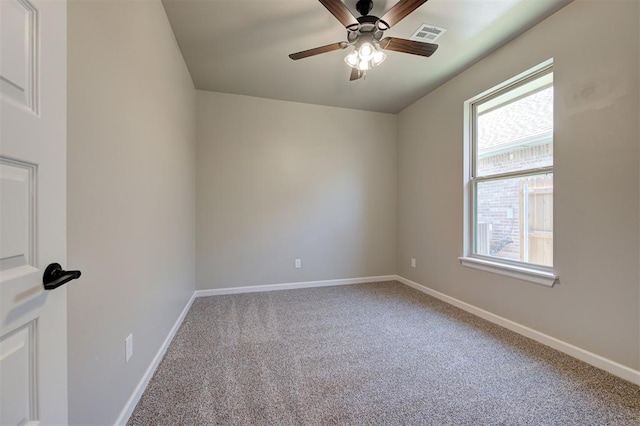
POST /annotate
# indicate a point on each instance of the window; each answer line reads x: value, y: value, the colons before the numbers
x: 509, y: 178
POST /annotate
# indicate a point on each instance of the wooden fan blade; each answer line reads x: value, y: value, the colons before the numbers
x: 355, y: 74
x: 340, y: 11
x: 401, y: 10
x: 318, y: 50
x: 408, y: 46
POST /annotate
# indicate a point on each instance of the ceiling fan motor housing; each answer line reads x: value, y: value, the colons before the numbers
x: 367, y: 30
x: 364, y: 7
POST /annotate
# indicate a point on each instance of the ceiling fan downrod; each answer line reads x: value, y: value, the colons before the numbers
x: 364, y: 7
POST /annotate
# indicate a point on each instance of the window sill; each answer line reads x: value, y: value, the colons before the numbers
x: 547, y: 279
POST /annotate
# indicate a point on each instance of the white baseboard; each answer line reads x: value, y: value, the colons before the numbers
x: 598, y: 361
x: 144, y: 381
x: 291, y: 286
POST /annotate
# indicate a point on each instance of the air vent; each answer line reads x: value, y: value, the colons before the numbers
x: 428, y: 33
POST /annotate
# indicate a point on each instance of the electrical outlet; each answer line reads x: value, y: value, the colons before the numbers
x: 128, y: 348
x: 298, y: 263
x: 413, y: 262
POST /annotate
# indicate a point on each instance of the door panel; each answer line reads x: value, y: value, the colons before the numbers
x: 18, y: 385
x: 17, y: 214
x: 18, y: 41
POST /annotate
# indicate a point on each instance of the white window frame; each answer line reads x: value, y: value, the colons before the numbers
x: 539, y: 274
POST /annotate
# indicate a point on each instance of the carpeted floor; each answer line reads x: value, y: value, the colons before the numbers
x: 368, y: 354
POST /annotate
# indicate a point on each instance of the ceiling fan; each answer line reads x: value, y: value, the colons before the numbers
x: 365, y: 34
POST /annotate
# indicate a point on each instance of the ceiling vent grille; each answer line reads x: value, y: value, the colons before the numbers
x: 428, y: 33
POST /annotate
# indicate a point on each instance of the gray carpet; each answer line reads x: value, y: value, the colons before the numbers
x: 369, y: 354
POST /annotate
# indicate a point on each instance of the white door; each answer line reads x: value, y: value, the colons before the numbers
x: 33, y: 342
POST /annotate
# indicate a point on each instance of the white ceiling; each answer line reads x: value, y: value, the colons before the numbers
x: 241, y: 47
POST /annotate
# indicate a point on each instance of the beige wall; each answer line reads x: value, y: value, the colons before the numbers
x: 281, y: 180
x: 131, y: 205
x: 595, y: 49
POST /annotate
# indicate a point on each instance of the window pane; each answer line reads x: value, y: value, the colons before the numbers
x: 517, y: 134
x: 515, y: 219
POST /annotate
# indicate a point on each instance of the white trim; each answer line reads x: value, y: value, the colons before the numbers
x: 595, y: 360
x: 545, y: 278
x: 291, y: 286
x: 531, y: 74
x: 144, y: 381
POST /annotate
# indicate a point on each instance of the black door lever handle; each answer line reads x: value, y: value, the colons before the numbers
x: 54, y: 276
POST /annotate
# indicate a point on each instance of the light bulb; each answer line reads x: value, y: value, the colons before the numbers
x: 352, y: 59
x: 363, y: 65
x: 378, y: 58
x: 366, y: 51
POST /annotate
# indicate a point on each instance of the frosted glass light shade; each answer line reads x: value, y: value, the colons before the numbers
x: 366, y: 51
x: 352, y: 59
x: 378, y: 58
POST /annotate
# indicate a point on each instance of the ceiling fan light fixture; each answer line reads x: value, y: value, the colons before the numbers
x: 352, y: 59
x: 365, y: 57
x: 366, y: 51
x: 363, y: 65
x: 378, y: 58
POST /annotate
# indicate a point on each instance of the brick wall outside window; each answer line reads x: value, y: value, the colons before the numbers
x: 501, y: 199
